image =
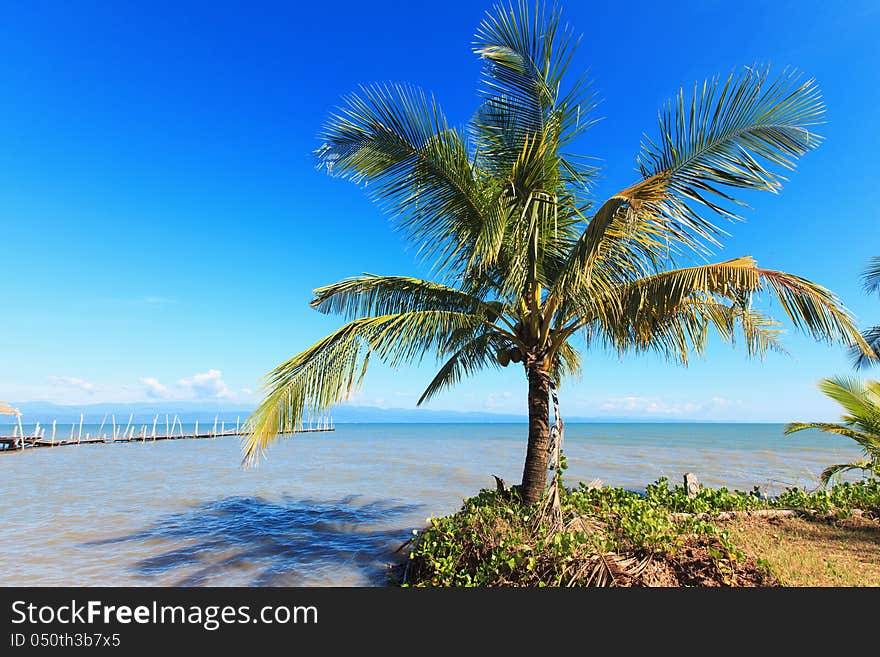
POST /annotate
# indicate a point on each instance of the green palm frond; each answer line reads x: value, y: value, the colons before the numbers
x: 397, y: 141
x: 370, y: 295
x: 711, y: 143
x: 620, y: 243
x: 664, y: 293
x: 759, y: 332
x: 860, y: 399
x: 327, y: 372
x: 871, y: 276
x: 567, y: 364
x: 527, y: 53
x: 860, y: 357
x: 861, y: 424
x: 812, y: 308
x: 866, y: 440
x: 671, y: 310
x: 475, y: 355
x: 832, y: 470
x: 718, y: 138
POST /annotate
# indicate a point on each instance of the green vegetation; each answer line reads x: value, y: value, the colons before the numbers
x: 608, y: 536
x: 529, y: 269
x: 861, y: 400
x: 861, y: 358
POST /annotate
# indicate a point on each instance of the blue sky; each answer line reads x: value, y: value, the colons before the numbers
x: 163, y: 224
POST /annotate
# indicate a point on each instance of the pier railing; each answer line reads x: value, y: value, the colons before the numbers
x: 133, y: 432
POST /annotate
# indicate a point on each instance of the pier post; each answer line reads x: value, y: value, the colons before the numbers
x: 155, y: 419
x: 223, y: 428
x: 197, y: 428
x: 53, y: 433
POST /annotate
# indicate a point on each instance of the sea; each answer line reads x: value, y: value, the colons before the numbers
x: 329, y: 509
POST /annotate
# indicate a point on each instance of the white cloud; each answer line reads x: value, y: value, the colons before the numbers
x: 661, y: 407
x: 73, y: 382
x: 154, y: 389
x: 207, y: 385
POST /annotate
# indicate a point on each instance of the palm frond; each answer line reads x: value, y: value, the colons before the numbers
x: 620, y: 243
x: 832, y: 470
x: 671, y: 310
x: 861, y: 424
x: 860, y: 357
x: 813, y: 309
x: 712, y: 143
x: 860, y: 399
x: 864, y: 439
x: 526, y: 55
x: 397, y: 141
x: 568, y: 363
x: 475, y: 355
x: 664, y: 293
x: 371, y: 295
x: 760, y: 333
x: 871, y: 276
x: 326, y: 373
x: 729, y: 136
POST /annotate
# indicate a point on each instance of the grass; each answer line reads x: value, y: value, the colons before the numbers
x: 812, y: 552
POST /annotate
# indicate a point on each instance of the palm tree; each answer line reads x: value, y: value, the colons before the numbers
x: 871, y: 280
x: 861, y: 400
x: 528, y: 269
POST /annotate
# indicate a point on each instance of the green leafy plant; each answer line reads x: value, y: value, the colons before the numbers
x: 861, y: 358
x: 861, y: 423
x: 608, y: 535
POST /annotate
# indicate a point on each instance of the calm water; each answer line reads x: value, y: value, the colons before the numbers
x: 327, y: 508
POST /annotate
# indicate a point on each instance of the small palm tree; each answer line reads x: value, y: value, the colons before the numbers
x: 871, y: 279
x: 529, y: 270
x: 861, y: 400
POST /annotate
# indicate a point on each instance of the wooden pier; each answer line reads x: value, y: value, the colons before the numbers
x: 131, y: 434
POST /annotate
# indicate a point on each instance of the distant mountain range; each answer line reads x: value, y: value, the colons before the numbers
x: 206, y: 412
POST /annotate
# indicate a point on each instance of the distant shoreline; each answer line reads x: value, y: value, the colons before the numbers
x: 191, y: 411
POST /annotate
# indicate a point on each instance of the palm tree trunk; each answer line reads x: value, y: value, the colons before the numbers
x: 537, y: 456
